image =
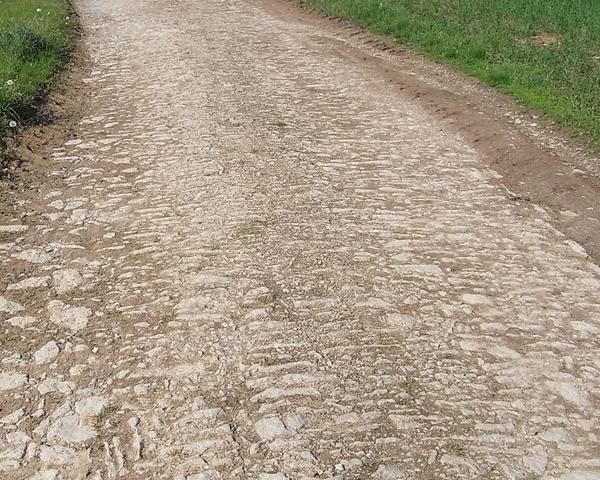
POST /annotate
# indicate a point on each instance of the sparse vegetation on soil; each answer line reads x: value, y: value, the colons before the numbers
x: 34, y: 40
x: 544, y: 52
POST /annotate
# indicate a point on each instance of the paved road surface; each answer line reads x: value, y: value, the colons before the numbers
x: 257, y: 260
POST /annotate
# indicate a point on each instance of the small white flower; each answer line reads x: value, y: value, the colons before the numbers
x: 39, y: 10
x: 10, y: 83
x: 12, y: 124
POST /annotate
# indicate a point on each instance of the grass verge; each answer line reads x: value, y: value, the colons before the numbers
x: 546, y: 53
x: 34, y: 42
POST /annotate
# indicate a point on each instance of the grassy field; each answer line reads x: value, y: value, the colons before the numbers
x: 544, y: 52
x: 34, y: 38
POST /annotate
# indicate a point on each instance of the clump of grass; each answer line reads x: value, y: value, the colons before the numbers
x: 104, y: 415
x: 252, y: 227
x: 7, y: 158
x: 34, y: 40
x: 546, y: 53
x: 411, y: 386
x: 168, y: 317
x: 456, y: 448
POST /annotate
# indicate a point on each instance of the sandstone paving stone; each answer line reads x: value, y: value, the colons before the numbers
x: 45, y: 474
x: 206, y: 475
x: 55, y: 384
x: 69, y: 431
x: 8, y: 306
x: 47, y: 353
x: 13, y: 228
x: 33, y: 255
x: 388, y: 472
x: 21, y: 322
x: 91, y: 406
x: 33, y: 282
x: 270, y: 427
x: 66, y: 280
x: 13, y: 417
x: 56, y: 455
x: 12, y: 380
x: 536, y: 463
x: 73, y: 318
x: 581, y: 475
x: 504, y: 352
x: 569, y: 392
x: 476, y: 299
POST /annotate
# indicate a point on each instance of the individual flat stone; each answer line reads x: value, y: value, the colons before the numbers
x: 13, y: 228
x: 295, y: 421
x: 388, y: 472
x: 91, y: 406
x: 206, y: 475
x: 45, y: 474
x: 400, y: 321
x: 73, y: 318
x: 47, y: 353
x: 55, y: 384
x: 66, y: 280
x: 12, y: 380
x: 68, y: 430
x: 270, y: 427
x: 33, y: 282
x: 475, y: 299
x: 569, y: 392
x: 7, y: 306
x: 56, y: 455
x: 13, y: 417
x: 504, y: 353
x: 207, y: 279
x: 33, y: 255
x: 581, y: 475
x: 21, y: 322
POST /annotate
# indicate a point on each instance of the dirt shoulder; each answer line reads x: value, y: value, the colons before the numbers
x: 59, y: 111
x: 535, y: 160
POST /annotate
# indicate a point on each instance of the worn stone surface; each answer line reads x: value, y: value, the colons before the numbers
x: 8, y: 306
x: 261, y: 261
x: 12, y: 380
x: 34, y: 282
x: 47, y: 353
x: 13, y: 417
x: 57, y: 455
x: 73, y: 318
x: 33, y: 255
x: 69, y: 431
x: 271, y: 427
x: 66, y: 280
x: 91, y: 406
x: 13, y: 228
x: 21, y: 322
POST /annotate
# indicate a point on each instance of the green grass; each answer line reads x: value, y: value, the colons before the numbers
x: 546, y: 53
x: 34, y: 41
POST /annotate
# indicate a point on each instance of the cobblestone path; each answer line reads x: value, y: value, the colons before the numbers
x: 256, y: 260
